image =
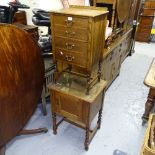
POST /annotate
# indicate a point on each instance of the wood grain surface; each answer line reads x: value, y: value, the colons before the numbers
x: 21, y: 80
x: 123, y: 7
x: 150, y: 76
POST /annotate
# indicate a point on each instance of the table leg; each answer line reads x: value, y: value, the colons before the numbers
x: 149, y: 104
x: 33, y: 131
x: 54, y: 124
x: 2, y: 150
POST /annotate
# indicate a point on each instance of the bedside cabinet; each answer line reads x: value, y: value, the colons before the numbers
x: 76, y: 107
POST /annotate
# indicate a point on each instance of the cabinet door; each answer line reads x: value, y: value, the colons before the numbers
x: 69, y: 106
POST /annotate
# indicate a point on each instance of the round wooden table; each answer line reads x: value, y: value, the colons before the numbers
x: 21, y: 80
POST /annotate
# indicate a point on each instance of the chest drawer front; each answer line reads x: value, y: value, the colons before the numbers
x: 71, y: 45
x: 71, y: 58
x: 148, y: 31
x: 70, y: 21
x: 146, y: 21
x: 149, y: 12
x: 73, y: 33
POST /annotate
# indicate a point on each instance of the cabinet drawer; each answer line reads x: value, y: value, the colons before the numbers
x: 71, y: 45
x: 149, y: 4
x: 148, y: 11
x: 74, y: 33
x: 148, y: 31
x: 145, y: 26
x: 143, y: 37
x: 70, y: 21
x: 146, y: 21
x: 71, y: 57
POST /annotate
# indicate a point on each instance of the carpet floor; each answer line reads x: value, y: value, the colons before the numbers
x: 121, y: 132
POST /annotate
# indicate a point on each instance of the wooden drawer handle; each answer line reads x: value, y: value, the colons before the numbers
x: 69, y: 46
x: 70, y: 34
x: 69, y: 58
x: 69, y: 22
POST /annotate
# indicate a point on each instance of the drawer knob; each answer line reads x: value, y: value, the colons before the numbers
x: 69, y: 58
x: 70, y: 34
x: 69, y: 46
x: 69, y: 22
x: 61, y: 53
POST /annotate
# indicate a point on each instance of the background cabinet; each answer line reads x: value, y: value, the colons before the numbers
x: 146, y: 21
x: 114, y: 57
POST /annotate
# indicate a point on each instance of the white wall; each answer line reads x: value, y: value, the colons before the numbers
x: 42, y: 4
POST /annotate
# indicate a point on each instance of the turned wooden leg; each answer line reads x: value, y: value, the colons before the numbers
x: 87, y: 139
x: 2, y: 150
x: 99, y: 118
x: 54, y: 124
x: 149, y: 104
x: 100, y: 111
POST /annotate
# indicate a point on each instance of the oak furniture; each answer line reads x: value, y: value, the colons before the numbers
x: 148, y: 147
x: 111, y: 5
x: 119, y: 45
x: 21, y: 81
x: 20, y: 17
x: 146, y: 21
x: 48, y: 78
x: 32, y: 30
x: 78, y: 37
x: 48, y: 64
x: 150, y: 82
x: 75, y: 106
x: 114, y: 56
x: 119, y: 10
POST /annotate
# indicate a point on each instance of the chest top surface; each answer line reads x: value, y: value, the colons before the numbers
x: 82, y: 11
x: 76, y: 89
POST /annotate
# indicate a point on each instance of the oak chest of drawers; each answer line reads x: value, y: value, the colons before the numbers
x: 78, y: 36
x: 146, y: 22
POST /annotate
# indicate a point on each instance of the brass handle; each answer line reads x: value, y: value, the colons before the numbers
x: 61, y: 53
x: 66, y: 32
x: 70, y: 34
x: 69, y: 22
x: 69, y: 58
x: 69, y: 46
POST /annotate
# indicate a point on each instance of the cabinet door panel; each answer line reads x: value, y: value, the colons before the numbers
x: 69, y: 106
